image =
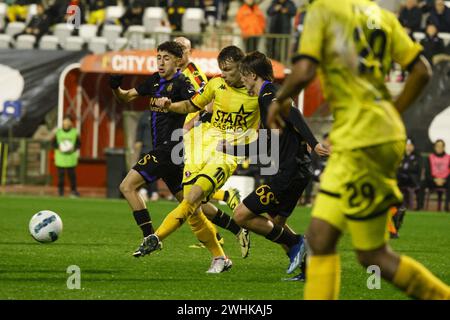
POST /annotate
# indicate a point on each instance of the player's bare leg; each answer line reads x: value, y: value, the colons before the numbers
x: 405, y: 273
x: 273, y: 232
x: 129, y: 188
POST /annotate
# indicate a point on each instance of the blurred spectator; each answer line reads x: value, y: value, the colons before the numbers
x: 175, y: 10
x: 67, y: 145
x: 437, y: 172
x: 411, y: 16
x: 298, y: 26
x: 281, y: 13
x: 252, y: 23
x: 133, y: 15
x: 18, y: 10
x: 210, y: 8
x: 39, y: 24
x: 222, y: 10
x: 432, y: 44
x: 97, y: 10
x: 426, y: 5
x: 440, y: 16
x: 409, y: 171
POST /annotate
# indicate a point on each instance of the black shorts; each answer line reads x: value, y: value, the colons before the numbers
x: 158, y: 164
x: 279, y: 196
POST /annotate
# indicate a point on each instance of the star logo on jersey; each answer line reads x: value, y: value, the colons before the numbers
x: 232, y: 120
x: 169, y: 87
x: 241, y: 114
x: 223, y: 87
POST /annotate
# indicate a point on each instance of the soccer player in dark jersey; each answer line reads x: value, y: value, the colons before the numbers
x: 281, y: 192
x: 167, y: 82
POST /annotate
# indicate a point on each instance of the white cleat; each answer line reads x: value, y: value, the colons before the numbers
x: 244, y: 241
x: 219, y: 265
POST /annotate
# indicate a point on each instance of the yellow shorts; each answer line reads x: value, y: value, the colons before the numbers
x: 202, y: 160
x: 17, y: 11
x: 97, y: 16
x: 356, y: 191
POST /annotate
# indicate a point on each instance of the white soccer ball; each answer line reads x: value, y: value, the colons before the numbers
x: 65, y: 146
x: 45, y: 226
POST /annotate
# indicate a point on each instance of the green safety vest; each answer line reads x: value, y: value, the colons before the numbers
x: 66, y: 160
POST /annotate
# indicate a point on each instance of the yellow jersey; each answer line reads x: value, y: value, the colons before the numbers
x: 198, y: 79
x: 235, y: 115
x: 355, y: 42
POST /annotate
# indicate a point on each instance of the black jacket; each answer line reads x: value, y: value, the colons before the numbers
x: 281, y: 22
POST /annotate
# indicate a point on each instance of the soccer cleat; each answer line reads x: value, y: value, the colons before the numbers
x: 219, y: 265
x: 297, y: 256
x: 300, y: 277
x: 150, y: 244
x: 244, y: 241
x: 234, y: 198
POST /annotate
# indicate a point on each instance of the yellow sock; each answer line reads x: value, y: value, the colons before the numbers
x: 205, y: 232
x: 418, y: 282
x: 175, y: 219
x: 219, y: 195
x: 323, y: 277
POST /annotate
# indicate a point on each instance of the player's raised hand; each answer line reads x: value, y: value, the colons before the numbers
x: 321, y: 150
x: 163, y: 102
x: 115, y: 80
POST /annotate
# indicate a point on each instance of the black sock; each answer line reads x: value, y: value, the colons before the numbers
x: 142, y: 218
x: 226, y: 195
x: 223, y: 220
x: 283, y: 236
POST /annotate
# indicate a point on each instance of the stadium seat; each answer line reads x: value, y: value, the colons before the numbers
x: 113, y: 13
x: 148, y: 44
x: 418, y: 36
x: 111, y: 32
x: 119, y: 44
x: 192, y: 20
x: 162, y: 34
x: 48, y: 42
x: 88, y: 31
x: 98, y: 45
x: 3, y: 9
x: 152, y: 18
x: 446, y: 37
x: 74, y: 43
x: 25, y: 42
x: 14, y: 28
x: 135, y: 35
x: 440, y: 197
x: 62, y: 32
x: 5, y: 41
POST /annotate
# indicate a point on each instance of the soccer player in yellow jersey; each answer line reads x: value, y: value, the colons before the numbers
x: 354, y: 42
x: 198, y: 79
x: 235, y: 120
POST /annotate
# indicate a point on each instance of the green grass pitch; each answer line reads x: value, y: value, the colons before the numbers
x: 99, y: 236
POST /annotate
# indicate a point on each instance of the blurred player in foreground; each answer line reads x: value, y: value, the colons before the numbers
x: 354, y: 42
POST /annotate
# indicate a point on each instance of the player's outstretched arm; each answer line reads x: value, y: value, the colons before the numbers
x: 182, y: 107
x: 122, y: 95
x: 420, y: 75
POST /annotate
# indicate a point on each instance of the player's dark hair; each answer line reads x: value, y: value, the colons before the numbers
x: 172, y: 47
x: 230, y: 53
x: 257, y: 63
